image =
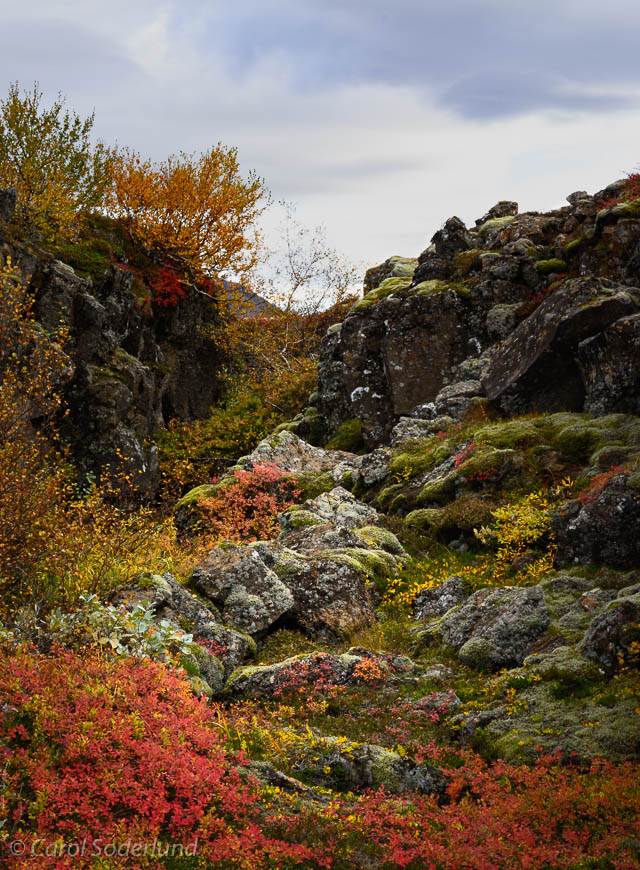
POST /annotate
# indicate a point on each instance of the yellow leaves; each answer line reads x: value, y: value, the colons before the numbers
x: 46, y: 154
x: 197, y: 210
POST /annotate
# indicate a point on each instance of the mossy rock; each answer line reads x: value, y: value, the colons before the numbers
x: 577, y: 441
x: 465, y: 261
x: 425, y: 518
x: 440, y: 491
x: 487, y: 458
x: 509, y: 434
x: 297, y: 517
x: 572, y: 247
x: 376, y: 564
x: 477, y: 653
x: 381, y: 539
x: 495, y: 224
x: 402, y: 267
x: 387, y: 494
x: 387, y: 288
x: 629, y: 209
x: 547, y: 267
x: 348, y: 437
x: 312, y: 485
x: 430, y: 288
x: 195, y: 496
x: 579, y: 727
x: 200, y: 687
x: 418, y: 457
x: 400, y: 504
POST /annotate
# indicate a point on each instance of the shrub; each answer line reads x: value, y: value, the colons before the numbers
x: 246, y: 509
x: 111, y: 751
x: 196, y: 210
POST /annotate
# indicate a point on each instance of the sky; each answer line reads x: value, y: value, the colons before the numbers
x: 378, y: 118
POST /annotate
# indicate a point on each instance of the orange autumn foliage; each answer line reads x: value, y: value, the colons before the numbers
x: 196, y: 211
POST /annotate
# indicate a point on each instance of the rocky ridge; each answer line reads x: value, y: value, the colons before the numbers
x: 132, y: 369
x: 522, y: 312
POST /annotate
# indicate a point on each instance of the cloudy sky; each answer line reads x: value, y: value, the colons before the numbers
x: 379, y: 118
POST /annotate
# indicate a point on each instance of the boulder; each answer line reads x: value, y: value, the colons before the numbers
x: 600, y: 530
x: 437, y: 601
x: 319, y: 670
x: 536, y: 365
x: 613, y: 638
x: 494, y: 628
x: 289, y: 453
x: 250, y: 596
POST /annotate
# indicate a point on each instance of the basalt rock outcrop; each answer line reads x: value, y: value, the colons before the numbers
x: 523, y: 312
x: 133, y: 369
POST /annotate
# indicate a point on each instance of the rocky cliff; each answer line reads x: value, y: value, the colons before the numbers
x: 522, y: 312
x: 134, y: 367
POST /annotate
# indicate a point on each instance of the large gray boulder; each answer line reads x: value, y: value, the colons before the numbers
x: 494, y: 628
x: 250, y: 595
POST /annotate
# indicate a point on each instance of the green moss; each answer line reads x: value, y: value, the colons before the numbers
x: 629, y: 209
x: 509, y: 434
x: 430, y: 288
x: 441, y: 490
x: 400, y: 503
x: 465, y: 261
x: 477, y: 653
x: 402, y: 267
x: 572, y: 246
x: 312, y: 485
x: 389, y: 286
x: 381, y: 538
x: 193, y: 497
x: 577, y: 441
x: 425, y: 518
x: 298, y: 518
x: 376, y: 564
x: 418, y: 457
x: 288, y: 563
x: 495, y: 224
x: 546, y: 267
x: 387, y: 494
x: 348, y: 437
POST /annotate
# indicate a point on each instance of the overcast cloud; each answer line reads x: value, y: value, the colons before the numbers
x: 381, y: 119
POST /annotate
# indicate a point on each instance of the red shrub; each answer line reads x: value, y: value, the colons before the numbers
x: 597, y: 484
x: 166, y: 288
x: 105, y: 752
x: 248, y: 508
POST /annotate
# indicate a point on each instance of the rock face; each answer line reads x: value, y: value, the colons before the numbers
x: 612, y: 635
x: 603, y: 530
x: 523, y: 311
x: 132, y: 370
x: 494, y: 628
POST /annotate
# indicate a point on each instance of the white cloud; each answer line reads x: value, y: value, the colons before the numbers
x: 381, y: 164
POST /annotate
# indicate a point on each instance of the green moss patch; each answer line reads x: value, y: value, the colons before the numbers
x: 348, y: 437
